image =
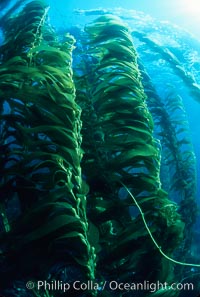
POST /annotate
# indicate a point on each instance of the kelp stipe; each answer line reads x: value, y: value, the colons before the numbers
x: 178, y: 158
x: 41, y: 173
x: 120, y: 148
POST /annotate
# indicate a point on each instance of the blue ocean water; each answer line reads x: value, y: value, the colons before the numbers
x: 180, y: 12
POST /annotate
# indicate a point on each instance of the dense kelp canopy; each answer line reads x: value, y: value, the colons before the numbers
x: 98, y: 172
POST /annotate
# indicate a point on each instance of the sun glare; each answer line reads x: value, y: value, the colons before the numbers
x: 190, y: 7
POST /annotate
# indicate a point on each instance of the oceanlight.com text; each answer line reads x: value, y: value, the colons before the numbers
x: 113, y: 285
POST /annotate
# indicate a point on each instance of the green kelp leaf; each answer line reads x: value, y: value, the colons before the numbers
x: 122, y: 46
x: 52, y: 59
x: 103, y: 88
x: 17, y: 70
x: 36, y: 160
x: 46, y: 48
x: 150, y: 182
x: 57, y: 73
x: 53, y: 228
x: 58, y: 165
x: 71, y: 235
x: 65, y: 111
x: 129, y: 101
x: 116, y: 48
x: 131, y: 130
x: 132, y: 261
x: 137, y: 153
x: 121, y: 34
x: 105, y: 23
x: 84, y: 188
x: 130, y: 68
x: 34, y: 7
x: 93, y: 235
x: 56, y: 85
x: 102, y: 205
x: 78, y: 249
x: 114, y: 120
x: 63, y: 193
x: 121, y: 77
x: 125, y: 79
x: 118, y: 144
x: 125, y: 255
x: 61, y: 206
x: 24, y: 38
x: 58, y: 134
x: 66, y: 102
x: 38, y: 215
x: 39, y: 112
x: 17, y: 60
x: 131, y: 232
x: 71, y: 156
x: 77, y: 242
x: 143, y: 200
x: 122, y: 107
x: 12, y: 80
x: 82, y: 259
x: 121, y: 144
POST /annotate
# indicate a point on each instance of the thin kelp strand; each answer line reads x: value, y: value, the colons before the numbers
x: 151, y: 235
x: 38, y: 34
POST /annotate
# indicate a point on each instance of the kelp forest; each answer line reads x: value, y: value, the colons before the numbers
x: 97, y: 170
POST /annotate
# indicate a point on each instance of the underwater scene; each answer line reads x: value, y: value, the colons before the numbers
x: 99, y: 148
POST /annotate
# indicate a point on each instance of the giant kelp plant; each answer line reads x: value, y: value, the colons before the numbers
x: 41, y: 154
x: 81, y: 193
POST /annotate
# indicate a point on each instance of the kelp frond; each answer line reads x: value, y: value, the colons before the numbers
x: 120, y: 148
